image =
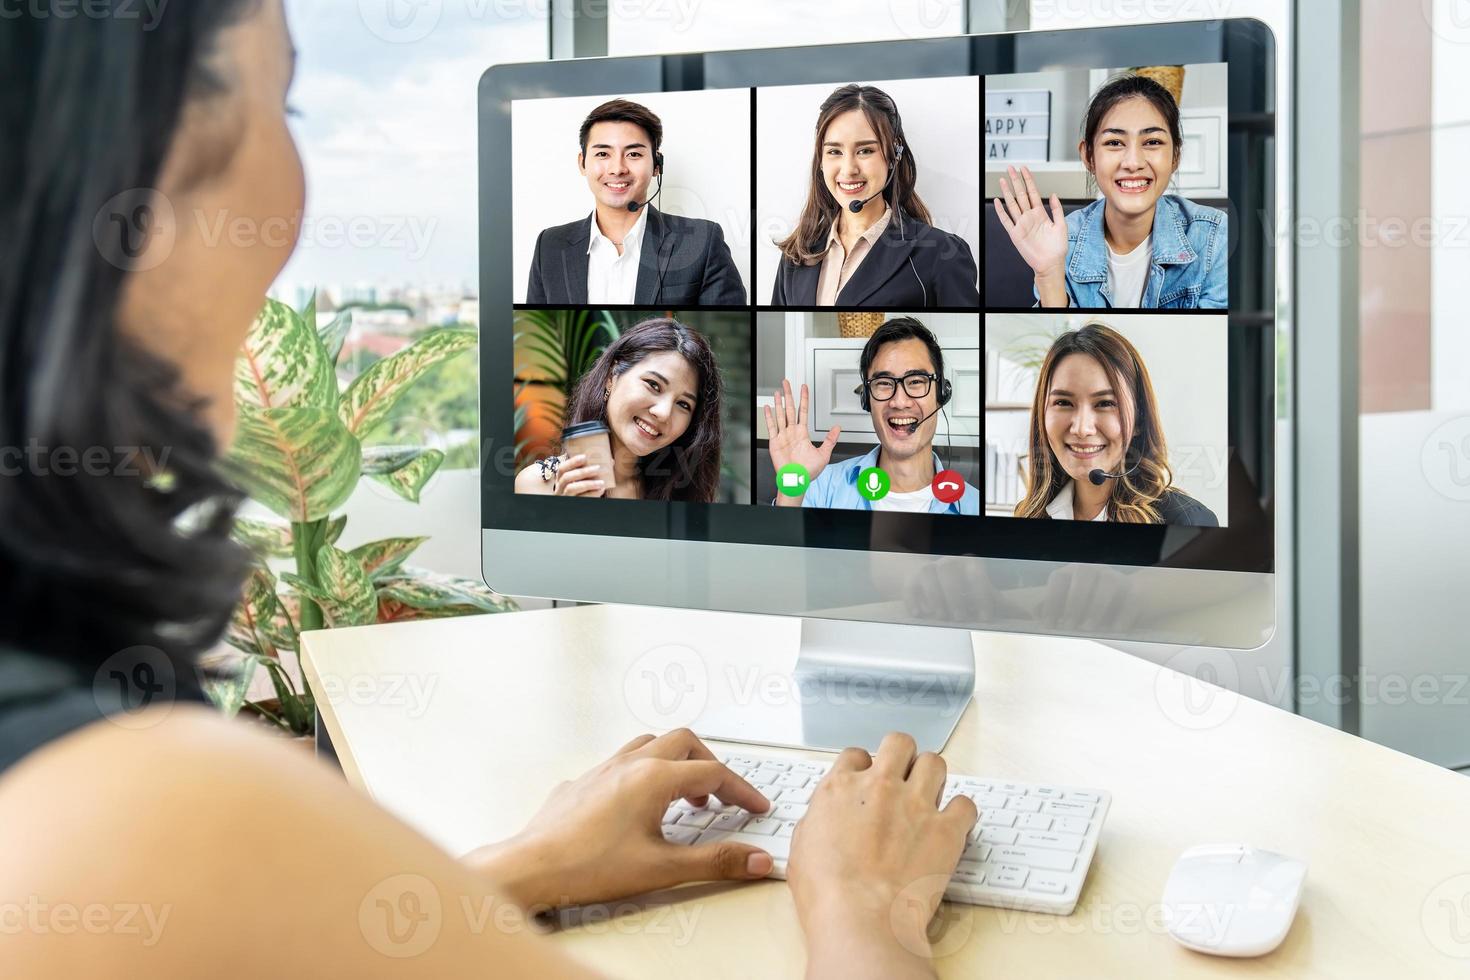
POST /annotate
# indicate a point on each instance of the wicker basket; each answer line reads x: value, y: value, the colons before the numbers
x: 1169, y: 76
x: 858, y: 325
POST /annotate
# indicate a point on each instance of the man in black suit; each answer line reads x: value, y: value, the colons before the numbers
x: 628, y: 252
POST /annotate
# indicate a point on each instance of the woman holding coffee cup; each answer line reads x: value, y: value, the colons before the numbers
x: 643, y: 423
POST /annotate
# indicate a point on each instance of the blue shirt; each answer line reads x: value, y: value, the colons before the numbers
x: 1188, y: 269
x: 836, y: 486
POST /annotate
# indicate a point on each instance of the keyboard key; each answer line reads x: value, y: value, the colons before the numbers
x: 968, y: 876
x: 786, y: 829
x: 681, y: 835
x: 1033, y: 821
x: 1010, y: 789
x: 1024, y: 804
x: 1071, y: 825
x: 698, y: 818
x: 998, y: 835
x: 1046, y: 881
x: 792, y: 780
x: 998, y: 818
x: 1083, y: 795
x: 803, y: 795
x: 730, y: 821
x: 812, y: 768
x: 779, y: 848
x: 1007, y: 876
x: 976, y: 851
x: 761, y: 825
x: 1068, y: 808
x: 761, y: 778
x: 1035, y: 857
x: 742, y: 760
x: 1046, y: 792
x: 788, y: 811
x: 775, y: 764
x: 989, y: 801
x: 1071, y: 843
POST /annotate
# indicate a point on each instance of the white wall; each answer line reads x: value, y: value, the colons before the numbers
x: 1186, y: 360
x: 706, y: 150
x: 945, y: 152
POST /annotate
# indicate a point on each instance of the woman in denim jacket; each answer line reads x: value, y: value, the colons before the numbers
x: 1136, y: 247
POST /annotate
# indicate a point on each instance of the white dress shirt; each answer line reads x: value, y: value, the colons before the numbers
x: 839, y: 265
x: 613, y: 278
x: 1060, y: 508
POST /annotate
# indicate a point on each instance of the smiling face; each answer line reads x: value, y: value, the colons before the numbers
x: 853, y: 165
x: 1133, y: 156
x: 653, y: 402
x: 895, y: 419
x: 1086, y: 425
x: 618, y: 163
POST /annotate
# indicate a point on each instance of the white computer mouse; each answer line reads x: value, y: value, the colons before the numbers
x: 1232, y: 899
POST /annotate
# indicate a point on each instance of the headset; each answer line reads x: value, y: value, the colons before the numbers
x: 946, y: 392
x: 856, y: 206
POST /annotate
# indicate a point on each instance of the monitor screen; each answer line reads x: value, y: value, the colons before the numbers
x: 1007, y: 296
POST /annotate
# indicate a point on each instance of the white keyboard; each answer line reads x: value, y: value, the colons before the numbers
x: 1030, y: 850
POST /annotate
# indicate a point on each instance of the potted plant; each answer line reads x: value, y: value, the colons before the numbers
x: 298, y: 451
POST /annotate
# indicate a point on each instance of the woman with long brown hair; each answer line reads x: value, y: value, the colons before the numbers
x: 865, y: 238
x: 1095, y: 445
x: 658, y: 391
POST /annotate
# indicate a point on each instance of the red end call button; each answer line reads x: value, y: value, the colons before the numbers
x: 948, y: 486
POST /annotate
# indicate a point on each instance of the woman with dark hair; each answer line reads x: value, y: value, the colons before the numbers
x: 1096, y: 446
x: 1135, y: 246
x: 659, y: 392
x: 120, y: 318
x: 864, y: 237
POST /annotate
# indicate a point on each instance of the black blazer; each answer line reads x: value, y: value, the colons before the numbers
x: 942, y: 274
x: 683, y: 262
x: 1178, y: 507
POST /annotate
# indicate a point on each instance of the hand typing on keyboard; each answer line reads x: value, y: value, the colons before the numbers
x: 598, y: 837
x: 871, y: 858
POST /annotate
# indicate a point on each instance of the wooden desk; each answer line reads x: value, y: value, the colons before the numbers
x: 461, y: 727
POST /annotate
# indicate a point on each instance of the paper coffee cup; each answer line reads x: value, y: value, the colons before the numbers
x: 591, y: 439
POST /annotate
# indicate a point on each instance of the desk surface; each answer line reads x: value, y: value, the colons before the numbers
x: 462, y: 726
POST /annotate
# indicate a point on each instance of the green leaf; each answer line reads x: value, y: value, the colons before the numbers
x: 228, y: 693
x: 345, y: 593
x: 371, y: 396
x: 266, y: 538
x: 282, y: 363
x: 408, y: 481
x: 424, y: 590
x: 377, y: 460
x: 300, y: 462
x: 334, y: 529
x: 308, y: 315
x: 381, y: 558
x: 295, y: 709
x: 249, y: 629
x: 334, y: 334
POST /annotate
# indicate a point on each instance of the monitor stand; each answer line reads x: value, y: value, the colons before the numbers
x: 853, y: 683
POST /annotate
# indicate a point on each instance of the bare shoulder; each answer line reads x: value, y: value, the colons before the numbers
x: 195, y: 839
x: 529, y: 480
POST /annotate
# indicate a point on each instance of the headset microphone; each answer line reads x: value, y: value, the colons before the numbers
x: 634, y: 206
x: 1096, y: 477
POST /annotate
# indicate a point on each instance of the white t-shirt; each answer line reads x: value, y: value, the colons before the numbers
x: 912, y: 502
x: 613, y: 278
x: 1060, y: 508
x: 1128, y: 272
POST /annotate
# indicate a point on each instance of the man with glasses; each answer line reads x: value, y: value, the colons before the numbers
x: 904, y: 390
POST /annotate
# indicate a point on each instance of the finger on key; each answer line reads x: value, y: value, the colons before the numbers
x: 680, y: 744
x: 852, y: 758
x: 895, y: 755
x: 693, y: 778
x: 927, y: 775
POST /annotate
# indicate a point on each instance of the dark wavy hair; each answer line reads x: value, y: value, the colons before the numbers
x: 1121, y: 89
x: 667, y: 473
x: 808, y: 242
x: 97, y: 559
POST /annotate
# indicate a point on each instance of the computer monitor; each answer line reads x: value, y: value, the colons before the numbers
x: 1052, y: 421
